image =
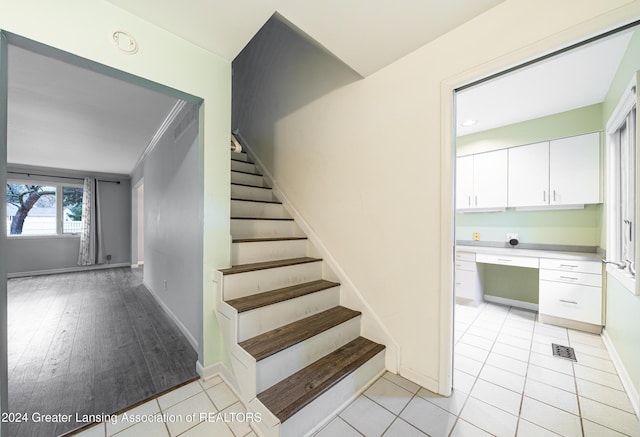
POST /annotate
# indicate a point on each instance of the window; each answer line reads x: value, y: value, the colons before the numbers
x: 621, y: 195
x: 43, y: 208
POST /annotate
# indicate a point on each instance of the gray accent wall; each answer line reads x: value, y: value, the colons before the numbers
x: 51, y: 254
x: 173, y: 222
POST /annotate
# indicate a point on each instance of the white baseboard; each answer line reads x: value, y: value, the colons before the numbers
x: 626, y: 380
x: 511, y: 302
x: 66, y: 270
x: 190, y: 338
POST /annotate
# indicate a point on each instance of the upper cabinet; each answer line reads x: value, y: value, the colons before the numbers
x: 560, y: 172
x: 481, y: 181
x: 574, y: 170
x: 529, y: 175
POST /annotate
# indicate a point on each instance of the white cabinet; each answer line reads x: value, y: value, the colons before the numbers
x: 571, y: 291
x: 529, y: 175
x: 574, y: 170
x: 557, y: 172
x: 481, y: 181
x: 468, y: 282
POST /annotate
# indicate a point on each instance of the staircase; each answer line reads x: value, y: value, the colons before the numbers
x: 296, y: 353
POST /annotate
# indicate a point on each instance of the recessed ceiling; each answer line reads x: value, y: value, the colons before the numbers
x: 63, y: 116
x: 365, y: 34
x: 571, y: 80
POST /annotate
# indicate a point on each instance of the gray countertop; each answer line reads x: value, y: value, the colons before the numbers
x: 537, y: 253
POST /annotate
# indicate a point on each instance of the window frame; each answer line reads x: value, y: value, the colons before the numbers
x: 615, y: 245
x: 59, y: 186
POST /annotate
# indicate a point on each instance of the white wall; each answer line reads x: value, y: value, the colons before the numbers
x: 368, y: 163
x: 140, y: 220
x: 173, y: 208
x: 84, y: 27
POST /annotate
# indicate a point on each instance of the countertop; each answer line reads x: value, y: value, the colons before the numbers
x: 534, y: 253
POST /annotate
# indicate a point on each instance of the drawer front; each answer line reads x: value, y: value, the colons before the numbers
x: 465, y: 256
x: 508, y: 260
x: 575, y: 302
x: 465, y: 284
x: 565, y: 265
x: 571, y: 277
x: 466, y: 265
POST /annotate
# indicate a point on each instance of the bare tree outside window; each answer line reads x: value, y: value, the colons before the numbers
x: 24, y: 198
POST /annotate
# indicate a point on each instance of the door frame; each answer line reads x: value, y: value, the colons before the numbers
x: 554, y: 45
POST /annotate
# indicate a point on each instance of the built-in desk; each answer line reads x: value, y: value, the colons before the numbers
x: 570, y: 283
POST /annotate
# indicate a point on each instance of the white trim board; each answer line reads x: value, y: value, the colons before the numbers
x: 66, y: 270
x: 627, y: 383
x: 190, y: 338
x: 511, y: 302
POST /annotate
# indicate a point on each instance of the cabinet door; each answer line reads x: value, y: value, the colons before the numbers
x: 464, y: 182
x: 529, y: 175
x: 490, y: 179
x: 574, y: 170
x: 570, y: 301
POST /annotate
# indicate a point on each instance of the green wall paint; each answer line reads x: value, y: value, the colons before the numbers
x: 623, y: 326
x: 628, y: 66
x: 518, y: 283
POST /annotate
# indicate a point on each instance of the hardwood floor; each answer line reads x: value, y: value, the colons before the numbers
x: 88, y: 343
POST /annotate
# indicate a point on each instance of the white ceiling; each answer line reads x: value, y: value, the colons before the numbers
x: 568, y: 81
x: 348, y: 29
x: 67, y: 117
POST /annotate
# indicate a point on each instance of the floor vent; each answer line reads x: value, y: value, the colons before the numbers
x: 563, y: 352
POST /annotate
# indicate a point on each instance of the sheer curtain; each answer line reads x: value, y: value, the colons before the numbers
x: 91, y: 244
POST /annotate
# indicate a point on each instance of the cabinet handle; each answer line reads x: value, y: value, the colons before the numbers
x: 568, y: 301
x: 458, y: 283
x: 505, y: 260
x: 568, y: 277
x: 458, y: 265
x: 544, y: 195
x: 476, y: 200
x: 569, y: 266
x: 469, y: 198
x: 554, y: 195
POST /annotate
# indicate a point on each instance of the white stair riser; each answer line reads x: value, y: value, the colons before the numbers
x: 261, y: 320
x: 333, y: 400
x: 277, y: 367
x: 248, y: 179
x: 239, y: 156
x: 241, y: 208
x: 243, y: 166
x: 252, y: 193
x: 253, y: 252
x: 246, y: 284
x: 264, y: 229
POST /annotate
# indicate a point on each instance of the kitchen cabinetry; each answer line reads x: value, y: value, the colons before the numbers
x: 481, y: 181
x: 529, y: 175
x: 468, y: 283
x: 571, y: 291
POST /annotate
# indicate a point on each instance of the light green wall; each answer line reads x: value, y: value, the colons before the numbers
x: 517, y: 283
x: 564, y: 124
x: 83, y: 28
x: 628, y: 66
x: 623, y: 327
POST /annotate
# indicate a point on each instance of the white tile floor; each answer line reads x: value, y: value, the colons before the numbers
x: 506, y: 383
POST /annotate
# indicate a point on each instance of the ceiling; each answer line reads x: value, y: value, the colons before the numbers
x: 64, y: 116
x: 348, y: 29
x: 568, y: 81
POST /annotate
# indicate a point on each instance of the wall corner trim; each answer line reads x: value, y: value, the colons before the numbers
x: 625, y: 378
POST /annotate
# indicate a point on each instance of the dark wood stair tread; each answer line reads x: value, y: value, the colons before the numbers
x: 260, y: 300
x: 243, y: 268
x: 257, y: 201
x: 249, y: 185
x: 298, y: 390
x: 262, y: 240
x: 276, y: 340
x: 246, y: 172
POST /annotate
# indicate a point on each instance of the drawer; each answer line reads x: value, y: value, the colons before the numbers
x: 570, y: 301
x: 566, y: 265
x: 465, y: 256
x: 571, y: 277
x: 508, y: 260
x: 466, y: 265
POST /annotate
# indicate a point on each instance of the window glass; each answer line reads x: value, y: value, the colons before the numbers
x: 31, y: 209
x: 71, y: 210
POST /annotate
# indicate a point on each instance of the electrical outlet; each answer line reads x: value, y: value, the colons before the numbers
x: 511, y: 236
x: 165, y: 285
x: 476, y: 236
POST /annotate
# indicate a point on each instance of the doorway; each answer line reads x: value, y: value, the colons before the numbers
x: 507, y: 236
